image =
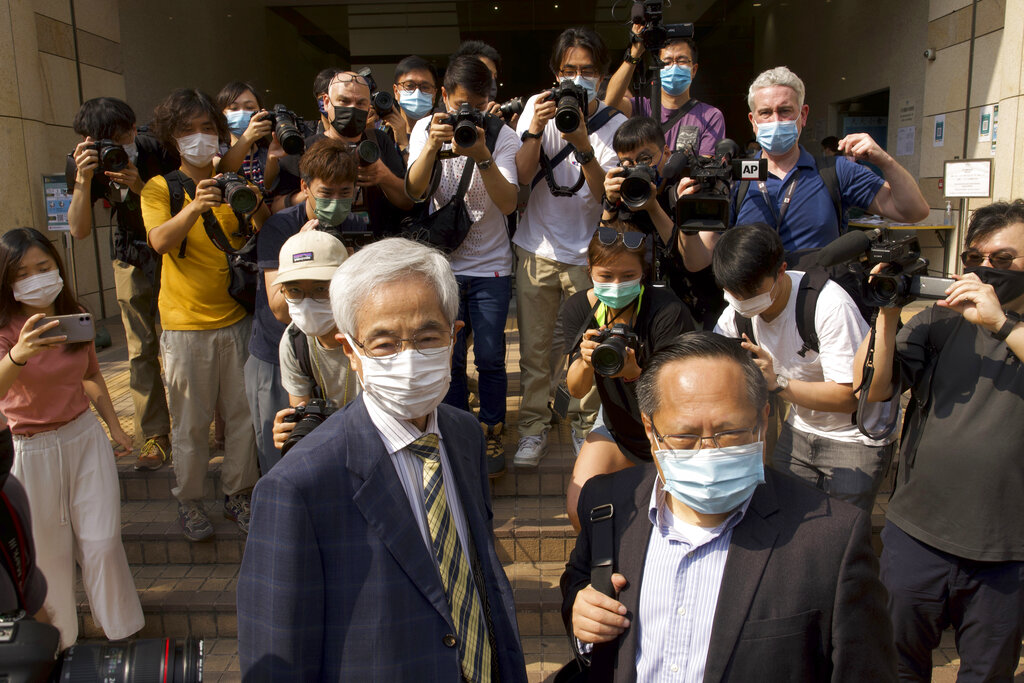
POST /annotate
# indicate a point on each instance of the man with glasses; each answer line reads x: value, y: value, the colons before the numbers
x: 720, y: 570
x: 372, y: 555
x: 954, y: 530
x: 818, y: 442
x: 415, y: 91
x: 566, y: 173
x: 685, y: 121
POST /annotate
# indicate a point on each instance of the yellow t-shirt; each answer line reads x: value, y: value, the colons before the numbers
x: 193, y: 290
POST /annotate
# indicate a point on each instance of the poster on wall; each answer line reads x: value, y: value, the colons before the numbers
x: 939, y: 138
x: 905, y: 141
x: 967, y: 178
x: 58, y: 201
x: 985, y: 123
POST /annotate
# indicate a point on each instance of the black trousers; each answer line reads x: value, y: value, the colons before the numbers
x: 930, y: 590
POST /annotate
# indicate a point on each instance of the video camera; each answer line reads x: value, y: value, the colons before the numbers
x: 610, y: 355
x: 112, y: 155
x: 306, y: 419
x: 466, y: 120
x: 571, y: 103
x: 288, y: 129
x: 237, y: 193
x: 708, y: 209
x: 654, y: 34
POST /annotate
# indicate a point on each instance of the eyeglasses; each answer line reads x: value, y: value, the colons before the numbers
x: 678, y: 61
x: 295, y: 294
x: 689, y: 442
x: 609, y: 236
x: 412, y: 86
x: 1000, y: 259
x: 348, y: 78
x: 572, y: 72
x: 428, y: 343
x: 642, y: 159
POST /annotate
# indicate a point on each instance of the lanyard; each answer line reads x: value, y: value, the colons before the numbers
x: 602, y: 311
x: 781, y: 213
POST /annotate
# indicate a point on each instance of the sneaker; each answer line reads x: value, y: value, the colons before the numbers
x: 155, y: 452
x: 194, y: 521
x: 236, y: 508
x: 495, y: 450
x: 577, y: 443
x: 531, y: 450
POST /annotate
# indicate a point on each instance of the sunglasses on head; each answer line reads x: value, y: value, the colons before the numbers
x: 609, y: 236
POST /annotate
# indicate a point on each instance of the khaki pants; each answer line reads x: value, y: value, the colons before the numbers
x: 71, y: 482
x: 136, y: 296
x: 541, y: 286
x: 204, y: 371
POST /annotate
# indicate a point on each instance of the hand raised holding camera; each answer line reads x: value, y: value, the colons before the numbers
x: 259, y: 126
x: 439, y: 132
x: 543, y: 111
x: 127, y: 177
x: 208, y: 195
x: 613, y: 184
x: 87, y: 160
x: 976, y: 301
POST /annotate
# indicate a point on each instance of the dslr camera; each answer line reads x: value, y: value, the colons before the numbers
x: 512, y: 107
x: 610, y: 355
x: 571, y: 103
x: 708, y: 209
x: 306, y: 419
x: 367, y: 152
x: 112, y: 155
x: 382, y: 101
x: 636, y: 185
x: 654, y: 34
x: 905, y: 277
x: 237, y: 193
x: 465, y: 121
x: 288, y: 128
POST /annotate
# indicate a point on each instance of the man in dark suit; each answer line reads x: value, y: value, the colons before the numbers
x: 370, y: 556
x: 725, y: 571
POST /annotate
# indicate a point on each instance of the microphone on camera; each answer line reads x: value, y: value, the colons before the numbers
x: 846, y: 247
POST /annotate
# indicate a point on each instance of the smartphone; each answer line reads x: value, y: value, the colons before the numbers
x: 78, y: 327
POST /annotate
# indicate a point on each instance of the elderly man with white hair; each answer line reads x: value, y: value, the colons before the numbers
x: 371, y: 553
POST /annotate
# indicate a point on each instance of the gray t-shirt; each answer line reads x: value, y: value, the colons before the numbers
x: 330, y: 370
x: 961, y: 488
x: 35, y: 588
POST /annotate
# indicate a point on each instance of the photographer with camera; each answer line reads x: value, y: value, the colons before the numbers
x: 492, y: 60
x: 252, y: 130
x: 415, y: 91
x: 328, y: 170
x: 818, y: 441
x: 953, y: 537
x: 314, y: 369
x: 684, y: 120
x: 112, y: 163
x: 204, y: 326
x: 807, y: 205
x: 566, y: 151
x: 484, y: 148
x: 611, y: 331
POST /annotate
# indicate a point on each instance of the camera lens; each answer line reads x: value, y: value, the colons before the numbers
x: 567, y: 114
x: 304, y: 426
x: 367, y: 152
x: 465, y: 133
x: 239, y: 196
x: 114, y: 158
x: 383, y: 102
x: 152, y: 659
x: 287, y: 131
x: 512, y: 107
x: 636, y: 187
x: 609, y: 356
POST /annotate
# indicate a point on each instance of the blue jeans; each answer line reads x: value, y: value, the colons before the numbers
x: 483, y: 306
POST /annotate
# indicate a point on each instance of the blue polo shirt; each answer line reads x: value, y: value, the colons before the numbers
x: 810, y: 221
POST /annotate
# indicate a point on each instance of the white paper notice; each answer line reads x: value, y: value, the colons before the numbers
x: 905, y: 141
x: 940, y: 131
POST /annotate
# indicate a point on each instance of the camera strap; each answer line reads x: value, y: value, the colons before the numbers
x: 780, y: 213
x: 14, y: 548
x: 667, y: 124
x: 178, y: 185
x: 547, y: 165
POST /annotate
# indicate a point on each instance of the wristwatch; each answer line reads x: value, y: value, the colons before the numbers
x: 630, y: 59
x: 782, y: 382
x: 485, y: 164
x: 527, y: 135
x: 1012, y: 318
x: 584, y: 157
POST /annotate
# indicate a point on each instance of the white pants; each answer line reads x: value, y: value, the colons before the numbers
x: 71, y: 481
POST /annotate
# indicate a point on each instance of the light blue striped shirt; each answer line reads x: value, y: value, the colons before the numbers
x: 679, y: 592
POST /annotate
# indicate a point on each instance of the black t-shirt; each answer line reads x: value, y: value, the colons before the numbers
x: 129, y: 239
x: 371, y: 207
x: 662, y: 317
x: 961, y: 480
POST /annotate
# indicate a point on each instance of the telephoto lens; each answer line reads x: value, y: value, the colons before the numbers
x: 237, y: 193
x: 610, y: 356
x: 511, y: 108
x: 306, y: 419
x: 152, y: 659
x: 465, y: 133
x: 286, y: 128
x: 636, y: 186
x: 367, y: 152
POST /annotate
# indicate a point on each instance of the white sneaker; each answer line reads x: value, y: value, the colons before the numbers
x: 531, y: 450
x: 577, y: 443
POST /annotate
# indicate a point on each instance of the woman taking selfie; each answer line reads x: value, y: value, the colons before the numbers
x: 615, y: 327
x: 61, y: 454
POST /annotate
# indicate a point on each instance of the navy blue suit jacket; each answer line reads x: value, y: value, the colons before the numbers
x: 336, y: 582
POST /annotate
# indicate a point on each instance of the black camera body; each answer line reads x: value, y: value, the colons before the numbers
x: 512, y: 108
x: 611, y: 353
x: 709, y: 208
x: 654, y: 34
x: 636, y: 185
x: 237, y: 193
x: 571, y: 105
x: 306, y: 419
x: 904, y: 278
x: 382, y: 102
x: 288, y: 129
x: 113, y: 157
x: 465, y: 121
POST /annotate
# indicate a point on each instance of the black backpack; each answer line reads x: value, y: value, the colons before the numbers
x: 300, y: 346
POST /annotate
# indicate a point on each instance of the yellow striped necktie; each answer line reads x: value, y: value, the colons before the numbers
x: 456, y: 577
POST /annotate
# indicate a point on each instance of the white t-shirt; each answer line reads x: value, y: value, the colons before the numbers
x: 486, y: 251
x: 841, y: 329
x: 560, y: 228
x: 330, y: 368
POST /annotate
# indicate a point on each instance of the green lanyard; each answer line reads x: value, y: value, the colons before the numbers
x: 602, y: 311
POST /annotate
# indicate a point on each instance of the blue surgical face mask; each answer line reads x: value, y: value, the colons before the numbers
x: 238, y: 120
x: 332, y: 212
x: 588, y: 84
x: 617, y: 294
x: 777, y: 137
x: 415, y: 104
x: 675, y: 79
x: 712, y: 481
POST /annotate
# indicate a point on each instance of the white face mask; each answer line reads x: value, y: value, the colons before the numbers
x: 312, y: 317
x: 755, y: 305
x: 132, y: 150
x: 198, y: 149
x: 407, y: 385
x: 39, y: 290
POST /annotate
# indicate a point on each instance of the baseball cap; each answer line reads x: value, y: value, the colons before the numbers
x: 310, y: 255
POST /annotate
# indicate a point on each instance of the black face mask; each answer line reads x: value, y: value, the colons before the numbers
x: 1009, y: 284
x: 349, y: 121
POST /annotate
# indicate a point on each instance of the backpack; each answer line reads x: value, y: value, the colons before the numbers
x: 595, y: 123
x: 300, y: 347
x: 828, y: 176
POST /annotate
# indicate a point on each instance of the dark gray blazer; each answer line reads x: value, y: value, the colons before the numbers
x: 800, y: 598
x: 337, y: 584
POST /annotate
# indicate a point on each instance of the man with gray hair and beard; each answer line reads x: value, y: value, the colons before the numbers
x: 371, y: 553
